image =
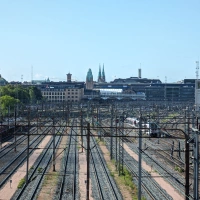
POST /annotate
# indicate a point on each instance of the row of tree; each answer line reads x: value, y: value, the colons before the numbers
x: 12, y: 96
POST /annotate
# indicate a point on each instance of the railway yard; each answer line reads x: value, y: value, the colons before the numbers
x: 113, y: 150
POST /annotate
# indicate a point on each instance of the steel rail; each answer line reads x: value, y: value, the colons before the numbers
x: 31, y: 178
x: 23, y: 159
x: 105, y: 171
x: 151, y: 194
x: 66, y: 163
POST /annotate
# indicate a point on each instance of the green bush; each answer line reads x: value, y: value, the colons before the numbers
x: 21, y: 183
x: 179, y: 169
x: 39, y: 169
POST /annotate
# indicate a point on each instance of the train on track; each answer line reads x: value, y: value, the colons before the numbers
x: 150, y: 128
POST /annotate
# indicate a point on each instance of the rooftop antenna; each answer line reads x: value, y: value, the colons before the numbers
x: 165, y: 79
x: 21, y: 78
x: 197, y: 70
x: 31, y: 73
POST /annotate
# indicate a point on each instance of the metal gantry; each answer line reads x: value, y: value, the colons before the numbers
x: 114, y: 113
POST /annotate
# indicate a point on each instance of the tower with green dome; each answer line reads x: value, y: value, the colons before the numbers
x: 89, y: 80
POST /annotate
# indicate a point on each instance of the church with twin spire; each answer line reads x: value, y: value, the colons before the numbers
x: 89, y: 78
x: 101, y: 76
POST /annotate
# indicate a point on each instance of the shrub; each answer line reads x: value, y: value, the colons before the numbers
x: 21, y: 183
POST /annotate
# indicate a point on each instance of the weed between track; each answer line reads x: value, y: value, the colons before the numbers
x: 51, y: 178
x: 21, y: 183
x: 124, y: 181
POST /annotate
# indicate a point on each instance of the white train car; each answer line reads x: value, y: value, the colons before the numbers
x: 132, y: 121
x: 151, y: 129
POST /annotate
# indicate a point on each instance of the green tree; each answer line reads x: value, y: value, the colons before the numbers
x: 32, y: 95
x: 35, y: 94
x: 8, y: 102
x: 24, y: 94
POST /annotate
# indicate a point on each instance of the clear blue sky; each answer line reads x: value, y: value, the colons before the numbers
x: 57, y: 37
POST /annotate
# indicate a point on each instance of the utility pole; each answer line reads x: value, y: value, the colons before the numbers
x: 123, y: 143
x: 82, y: 130
x: 196, y: 166
x: 15, y: 139
x: 8, y: 118
x: 28, y: 141
x: 187, y: 161
x: 196, y: 160
x: 116, y: 141
x: 88, y: 162
x: 99, y: 118
x: 111, y: 132
x: 54, y: 164
x: 140, y: 159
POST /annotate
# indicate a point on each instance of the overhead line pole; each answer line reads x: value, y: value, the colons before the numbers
x: 140, y: 161
x: 88, y: 162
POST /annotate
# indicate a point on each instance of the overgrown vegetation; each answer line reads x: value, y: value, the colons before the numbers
x: 170, y: 116
x: 179, y: 169
x: 21, y: 183
x: 125, y: 180
x: 51, y: 178
x: 39, y: 169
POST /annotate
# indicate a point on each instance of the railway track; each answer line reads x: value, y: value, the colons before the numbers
x: 8, y: 148
x: 9, y: 169
x: 150, y: 188
x: 162, y: 168
x: 38, y: 171
x: 69, y: 173
x: 107, y: 188
x: 103, y: 184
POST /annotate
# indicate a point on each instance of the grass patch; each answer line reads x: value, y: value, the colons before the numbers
x: 51, y: 178
x: 179, y: 169
x: 39, y: 169
x: 97, y: 140
x: 21, y: 183
x: 125, y: 180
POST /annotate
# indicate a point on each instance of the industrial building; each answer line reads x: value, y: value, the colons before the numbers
x: 133, y: 88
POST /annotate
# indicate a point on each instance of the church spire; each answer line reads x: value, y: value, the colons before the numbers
x: 103, y: 75
x: 99, y: 76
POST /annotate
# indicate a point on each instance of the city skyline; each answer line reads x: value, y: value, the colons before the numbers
x: 50, y: 39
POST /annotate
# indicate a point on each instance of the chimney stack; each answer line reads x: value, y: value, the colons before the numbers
x: 139, y: 73
x: 69, y: 76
